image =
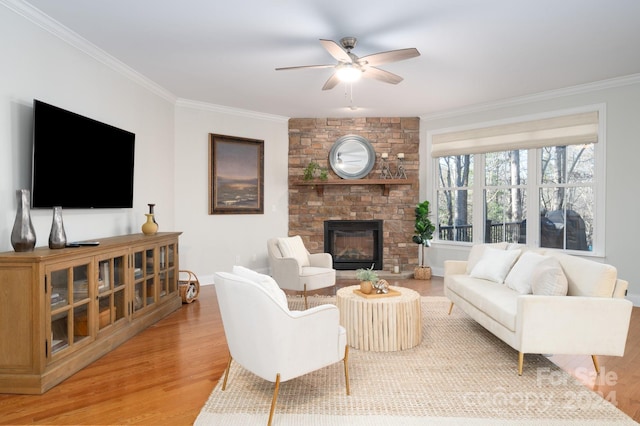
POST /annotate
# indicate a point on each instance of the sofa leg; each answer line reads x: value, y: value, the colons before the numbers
x: 306, y: 306
x: 595, y: 363
x: 520, y: 362
x: 450, y: 308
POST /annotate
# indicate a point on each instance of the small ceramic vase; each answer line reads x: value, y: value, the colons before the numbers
x: 149, y: 227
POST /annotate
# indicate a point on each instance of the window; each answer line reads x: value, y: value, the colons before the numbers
x: 454, y: 198
x: 505, y: 196
x: 541, y: 194
x: 567, y: 197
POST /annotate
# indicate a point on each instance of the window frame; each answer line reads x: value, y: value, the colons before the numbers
x: 532, y: 186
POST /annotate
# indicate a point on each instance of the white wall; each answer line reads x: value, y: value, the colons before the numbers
x: 39, y: 64
x: 622, y: 100
x: 40, y: 60
x: 213, y: 243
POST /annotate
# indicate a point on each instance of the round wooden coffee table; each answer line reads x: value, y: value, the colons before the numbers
x: 381, y: 324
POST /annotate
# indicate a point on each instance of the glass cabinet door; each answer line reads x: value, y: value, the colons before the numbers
x: 111, y: 290
x: 144, y: 276
x: 70, y: 306
x: 167, y: 274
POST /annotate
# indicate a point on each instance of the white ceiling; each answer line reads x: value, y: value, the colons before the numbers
x: 225, y: 52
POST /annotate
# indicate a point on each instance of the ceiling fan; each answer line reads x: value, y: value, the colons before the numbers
x: 350, y: 67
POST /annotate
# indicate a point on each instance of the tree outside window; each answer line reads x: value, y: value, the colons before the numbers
x: 563, y: 192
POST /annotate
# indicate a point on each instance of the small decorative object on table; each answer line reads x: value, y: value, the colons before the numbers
x: 151, y: 206
x: 367, y: 277
x: 381, y: 286
x: 23, y: 235
x: 57, y: 236
x: 149, y: 227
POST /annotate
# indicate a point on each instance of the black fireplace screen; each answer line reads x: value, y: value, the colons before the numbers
x: 354, y: 244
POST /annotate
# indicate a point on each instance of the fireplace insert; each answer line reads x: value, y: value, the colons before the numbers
x: 354, y: 244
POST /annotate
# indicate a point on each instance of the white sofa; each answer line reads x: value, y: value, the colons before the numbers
x: 543, y: 302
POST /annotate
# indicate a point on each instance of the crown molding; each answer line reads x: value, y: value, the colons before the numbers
x: 542, y: 96
x: 204, y: 106
x: 54, y: 27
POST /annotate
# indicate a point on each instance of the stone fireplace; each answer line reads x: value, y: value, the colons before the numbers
x: 311, y: 139
x: 354, y: 244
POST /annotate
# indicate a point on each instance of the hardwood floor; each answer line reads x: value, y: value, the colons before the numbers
x: 164, y: 375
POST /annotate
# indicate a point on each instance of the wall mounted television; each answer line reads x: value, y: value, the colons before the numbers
x: 78, y: 162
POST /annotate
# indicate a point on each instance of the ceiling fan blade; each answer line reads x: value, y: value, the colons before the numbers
x: 336, y: 51
x: 304, y: 66
x: 382, y: 75
x: 331, y: 82
x: 390, y: 56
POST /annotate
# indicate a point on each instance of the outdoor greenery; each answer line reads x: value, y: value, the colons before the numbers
x: 561, y: 188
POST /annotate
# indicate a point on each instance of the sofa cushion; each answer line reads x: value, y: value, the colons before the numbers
x: 476, y: 252
x: 587, y: 277
x: 293, y: 247
x: 495, y: 264
x: 548, y: 279
x: 266, y: 281
x: 520, y: 276
x: 495, y: 300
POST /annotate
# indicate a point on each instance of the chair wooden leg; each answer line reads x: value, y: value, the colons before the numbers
x: 520, y: 362
x: 595, y: 363
x: 275, y: 398
x: 306, y: 306
x: 226, y: 373
x: 346, y: 368
x: 450, y: 308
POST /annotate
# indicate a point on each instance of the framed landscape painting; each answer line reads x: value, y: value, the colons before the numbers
x: 236, y: 175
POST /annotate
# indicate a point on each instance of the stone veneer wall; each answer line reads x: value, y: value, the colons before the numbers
x: 311, y: 139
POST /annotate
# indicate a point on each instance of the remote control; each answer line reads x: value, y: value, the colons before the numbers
x: 83, y: 243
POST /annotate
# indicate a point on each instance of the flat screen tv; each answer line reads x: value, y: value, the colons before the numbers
x: 78, y: 162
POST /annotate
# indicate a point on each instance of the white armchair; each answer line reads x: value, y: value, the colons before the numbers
x: 294, y: 268
x: 271, y: 341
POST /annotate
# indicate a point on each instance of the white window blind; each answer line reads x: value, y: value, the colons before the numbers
x: 564, y: 130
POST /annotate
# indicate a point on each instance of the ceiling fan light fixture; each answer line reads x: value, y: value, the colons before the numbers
x: 348, y: 73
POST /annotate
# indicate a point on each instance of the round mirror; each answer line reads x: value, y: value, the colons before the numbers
x: 352, y: 157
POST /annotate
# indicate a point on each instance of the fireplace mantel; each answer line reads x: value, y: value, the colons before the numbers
x: 384, y: 183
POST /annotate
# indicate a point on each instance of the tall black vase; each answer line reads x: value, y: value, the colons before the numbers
x: 23, y: 235
x: 151, y: 206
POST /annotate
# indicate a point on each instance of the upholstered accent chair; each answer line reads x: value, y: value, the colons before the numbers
x: 268, y: 339
x: 294, y: 268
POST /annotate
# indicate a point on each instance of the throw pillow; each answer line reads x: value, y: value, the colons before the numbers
x: 266, y: 281
x: 519, y: 278
x: 548, y: 279
x: 476, y: 252
x: 293, y: 247
x: 495, y: 264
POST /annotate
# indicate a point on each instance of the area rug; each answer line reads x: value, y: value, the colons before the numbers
x: 460, y: 374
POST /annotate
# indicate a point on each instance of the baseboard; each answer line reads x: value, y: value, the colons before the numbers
x: 634, y: 297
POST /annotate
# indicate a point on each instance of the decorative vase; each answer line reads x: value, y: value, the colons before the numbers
x: 151, y: 206
x: 366, y: 287
x: 149, y: 227
x: 23, y: 235
x: 57, y: 236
